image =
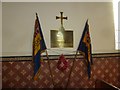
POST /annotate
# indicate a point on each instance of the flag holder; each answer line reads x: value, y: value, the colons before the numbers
x: 73, y: 63
x: 50, y: 68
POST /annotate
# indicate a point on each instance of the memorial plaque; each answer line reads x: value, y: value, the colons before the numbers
x: 61, y: 39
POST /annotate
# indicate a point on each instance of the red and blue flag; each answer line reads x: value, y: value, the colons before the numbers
x: 38, y: 47
x: 85, y: 47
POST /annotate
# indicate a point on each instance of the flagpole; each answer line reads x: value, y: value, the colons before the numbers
x: 50, y: 68
x: 69, y: 77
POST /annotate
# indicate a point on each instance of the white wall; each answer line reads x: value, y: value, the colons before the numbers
x: 0, y: 44
x: 57, y: 0
x: 18, y: 25
x: 0, y: 28
x: 118, y: 26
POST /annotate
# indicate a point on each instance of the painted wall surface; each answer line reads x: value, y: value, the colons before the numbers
x: 0, y: 44
x: 18, y: 25
x: 119, y: 25
x: 0, y: 28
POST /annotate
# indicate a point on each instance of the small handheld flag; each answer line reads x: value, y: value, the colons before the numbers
x: 85, y: 47
x: 38, y: 47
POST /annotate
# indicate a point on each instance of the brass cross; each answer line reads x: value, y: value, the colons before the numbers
x: 61, y: 18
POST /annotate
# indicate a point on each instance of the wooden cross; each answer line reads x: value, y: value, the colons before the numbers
x: 61, y: 18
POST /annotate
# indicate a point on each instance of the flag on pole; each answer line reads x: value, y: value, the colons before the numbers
x: 38, y: 47
x: 85, y: 47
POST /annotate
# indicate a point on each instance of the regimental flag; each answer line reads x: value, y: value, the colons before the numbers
x: 85, y: 48
x: 38, y: 47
